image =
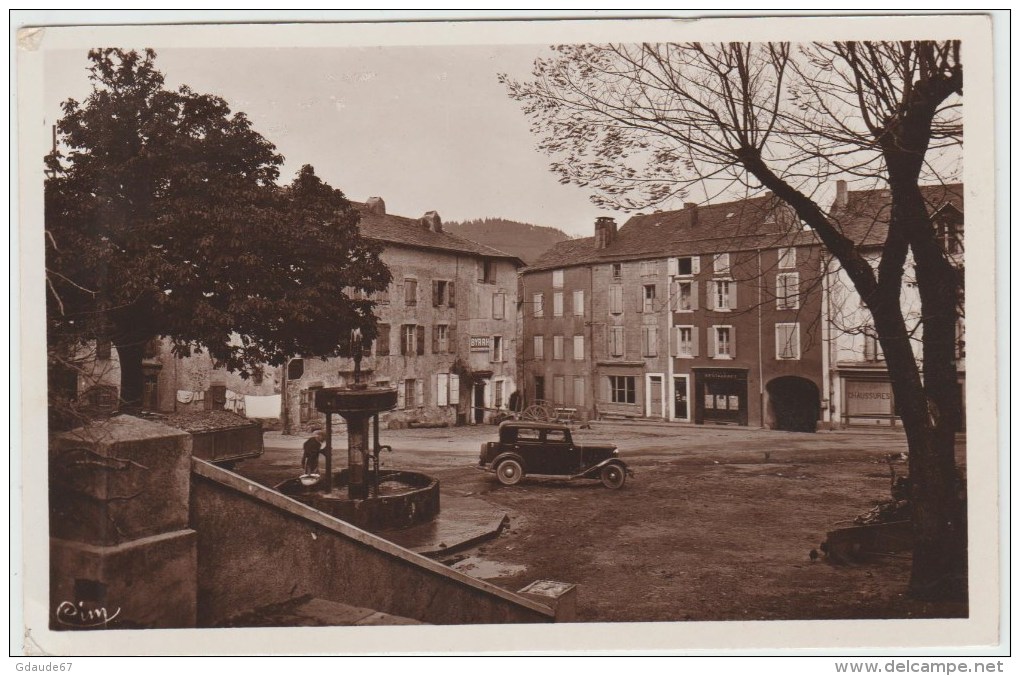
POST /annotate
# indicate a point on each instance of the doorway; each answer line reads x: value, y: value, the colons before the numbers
x: 681, y: 397
x: 655, y: 399
x: 479, y: 403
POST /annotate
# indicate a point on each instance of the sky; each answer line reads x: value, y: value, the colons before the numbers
x: 425, y: 128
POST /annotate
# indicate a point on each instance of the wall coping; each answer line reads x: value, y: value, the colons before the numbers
x: 280, y: 501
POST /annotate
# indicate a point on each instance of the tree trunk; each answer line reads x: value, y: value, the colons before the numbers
x: 132, y: 378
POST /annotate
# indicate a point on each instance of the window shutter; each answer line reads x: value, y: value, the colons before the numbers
x: 382, y: 342
x: 733, y: 295
x: 434, y: 388
x: 450, y: 287
x: 435, y: 339
x: 400, y: 394
x: 451, y: 339
x: 710, y: 304
x: 605, y: 388
x: 712, y: 337
x: 695, y: 264
x: 404, y: 347
x: 442, y: 388
x: 420, y: 339
x: 733, y: 342
x: 694, y: 341
x: 674, y: 341
x: 795, y: 342
x: 694, y: 294
x: 671, y: 267
x: 454, y: 388
x: 419, y: 393
x: 435, y: 293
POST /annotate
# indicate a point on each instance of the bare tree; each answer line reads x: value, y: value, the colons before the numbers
x: 643, y: 124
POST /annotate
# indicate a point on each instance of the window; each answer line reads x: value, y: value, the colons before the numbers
x: 578, y: 348
x: 557, y: 279
x: 539, y: 347
x: 648, y: 299
x: 950, y: 235
x: 558, y: 304
x: 497, y: 393
x: 499, y: 305
x: 650, y: 341
x: 382, y: 297
x: 524, y: 434
x: 647, y: 268
x: 537, y: 304
x: 558, y: 390
x: 555, y: 437
x: 442, y: 389
x: 578, y: 391
x: 622, y: 389
x: 617, y: 270
x: 411, y: 396
x: 579, y: 303
x: 685, y: 296
x: 787, y: 257
x: 616, y: 341
x: 872, y: 348
x: 497, y: 348
x: 412, y: 340
x: 721, y: 264
x: 557, y: 347
x: 616, y: 299
x: 686, y: 342
x: 487, y: 271
x: 382, y: 341
x: 410, y: 291
x: 441, y: 339
x: 788, y: 341
x: 724, y: 295
x: 788, y: 291
x: 104, y: 349
x: 688, y: 265
x: 723, y: 344
x: 442, y: 293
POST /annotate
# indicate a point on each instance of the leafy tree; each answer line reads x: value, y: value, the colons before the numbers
x: 641, y: 124
x: 163, y: 219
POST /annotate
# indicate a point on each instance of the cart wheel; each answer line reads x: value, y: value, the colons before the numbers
x: 613, y: 476
x: 509, y: 472
x: 536, y: 413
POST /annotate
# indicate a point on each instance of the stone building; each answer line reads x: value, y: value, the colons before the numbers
x: 859, y: 386
x: 708, y: 314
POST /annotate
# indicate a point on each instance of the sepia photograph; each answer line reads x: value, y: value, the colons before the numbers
x: 651, y: 330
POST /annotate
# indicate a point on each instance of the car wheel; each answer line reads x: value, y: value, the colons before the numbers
x: 613, y: 476
x: 509, y: 472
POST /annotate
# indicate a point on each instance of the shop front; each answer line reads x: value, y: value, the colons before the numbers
x: 720, y: 396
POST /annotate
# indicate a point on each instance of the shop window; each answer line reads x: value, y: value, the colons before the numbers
x: 622, y: 389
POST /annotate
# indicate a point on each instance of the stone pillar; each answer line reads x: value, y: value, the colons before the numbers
x: 121, y: 552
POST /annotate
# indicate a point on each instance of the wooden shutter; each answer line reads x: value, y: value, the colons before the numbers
x: 695, y: 264
x: 454, y: 388
x: 733, y: 342
x: 694, y: 294
x: 451, y: 339
x: 450, y: 294
x: 382, y: 344
x: 442, y: 388
x: 400, y: 394
x: 694, y: 341
x: 419, y: 392
x: 713, y: 335
x: 605, y: 388
x: 435, y: 339
x: 420, y: 339
x: 671, y: 267
x: 733, y: 295
x: 435, y: 293
x: 405, y: 349
x: 674, y: 341
x: 434, y: 388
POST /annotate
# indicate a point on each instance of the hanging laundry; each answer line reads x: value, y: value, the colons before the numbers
x: 262, y: 407
x: 184, y: 396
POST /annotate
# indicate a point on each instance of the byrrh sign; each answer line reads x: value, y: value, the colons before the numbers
x: 480, y: 343
x: 869, y: 398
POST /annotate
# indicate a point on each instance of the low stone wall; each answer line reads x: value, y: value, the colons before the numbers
x: 258, y: 547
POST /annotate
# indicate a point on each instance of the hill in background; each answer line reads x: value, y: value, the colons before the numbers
x: 523, y: 240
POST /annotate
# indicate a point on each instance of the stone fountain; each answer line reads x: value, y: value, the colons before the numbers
x: 363, y: 494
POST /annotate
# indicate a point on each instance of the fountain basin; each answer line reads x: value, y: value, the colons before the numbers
x: 401, y: 499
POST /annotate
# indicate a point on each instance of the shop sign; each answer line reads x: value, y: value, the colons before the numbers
x: 480, y: 343
x: 868, y: 397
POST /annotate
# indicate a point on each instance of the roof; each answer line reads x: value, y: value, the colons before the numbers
x: 534, y: 425
x: 865, y: 218
x: 754, y: 223
x: 410, y: 232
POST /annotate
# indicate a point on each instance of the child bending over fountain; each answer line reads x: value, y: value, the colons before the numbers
x: 313, y: 449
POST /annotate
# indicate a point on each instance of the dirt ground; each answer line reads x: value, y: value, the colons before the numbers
x: 717, y: 524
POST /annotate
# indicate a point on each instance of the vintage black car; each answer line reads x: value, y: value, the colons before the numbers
x: 547, y: 450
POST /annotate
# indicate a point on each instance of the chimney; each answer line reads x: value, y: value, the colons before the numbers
x: 841, y: 195
x: 432, y: 221
x: 376, y: 206
x: 605, y: 231
x: 692, y: 209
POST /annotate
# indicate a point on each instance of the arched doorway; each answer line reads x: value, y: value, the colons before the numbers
x: 795, y: 403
